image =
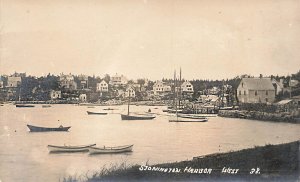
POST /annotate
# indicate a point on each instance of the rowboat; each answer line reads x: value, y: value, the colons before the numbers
x: 44, y: 129
x: 191, y: 116
x: 96, y: 113
x: 109, y: 109
x: 24, y: 105
x: 188, y: 120
x: 137, y: 117
x: 110, y: 150
x: 78, y: 148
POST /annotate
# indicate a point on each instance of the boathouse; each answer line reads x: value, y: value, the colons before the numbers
x: 256, y: 90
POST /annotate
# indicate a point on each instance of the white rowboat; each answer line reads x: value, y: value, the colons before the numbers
x: 78, y: 148
x: 110, y: 150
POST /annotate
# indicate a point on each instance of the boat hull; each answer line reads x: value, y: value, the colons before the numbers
x: 179, y: 119
x: 110, y: 150
x: 134, y: 117
x: 96, y: 113
x: 60, y: 149
x: 45, y: 129
x: 24, y: 105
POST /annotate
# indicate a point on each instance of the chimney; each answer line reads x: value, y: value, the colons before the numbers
x: 260, y: 75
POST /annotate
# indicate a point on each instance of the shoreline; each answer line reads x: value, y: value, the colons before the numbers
x: 267, y: 163
x: 260, y: 116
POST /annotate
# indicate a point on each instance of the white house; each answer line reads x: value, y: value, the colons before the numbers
x: 102, y: 86
x: 160, y: 87
x: 14, y: 81
x: 118, y: 80
x: 82, y: 97
x: 55, y: 94
x: 187, y: 87
x: 67, y: 82
x: 129, y: 92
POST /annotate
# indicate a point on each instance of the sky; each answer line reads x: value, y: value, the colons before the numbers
x: 208, y: 39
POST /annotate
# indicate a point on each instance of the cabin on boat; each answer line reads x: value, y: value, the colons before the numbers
x: 256, y: 90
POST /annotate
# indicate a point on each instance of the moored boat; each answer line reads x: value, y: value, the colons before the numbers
x: 24, y: 105
x: 45, y: 129
x: 110, y: 150
x: 180, y: 119
x: 96, y: 113
x: 78, y: 148
x: 137, y: 117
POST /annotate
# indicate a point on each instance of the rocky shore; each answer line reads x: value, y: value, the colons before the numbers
x: 267, y: 163
x: 258, y: 115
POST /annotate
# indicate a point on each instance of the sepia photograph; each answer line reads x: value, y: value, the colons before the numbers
x: 149, y: 90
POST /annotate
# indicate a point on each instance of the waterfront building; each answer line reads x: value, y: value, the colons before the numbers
x: 102, y: 86
x: 256, y: 90
x: 278, y: 85
x: 118, y: 80
x: 82, y: 97
x: 55, y: 94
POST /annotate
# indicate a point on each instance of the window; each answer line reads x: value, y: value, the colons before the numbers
x: 267, y: 100
x: 244, y: 92
x: 255, y: 93
x: 240, y: 92
x: 242, y: 84
x: 267, y: 93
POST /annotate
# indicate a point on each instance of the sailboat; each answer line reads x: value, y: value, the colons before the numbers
x: 182, y: 117
x: 135, y: 116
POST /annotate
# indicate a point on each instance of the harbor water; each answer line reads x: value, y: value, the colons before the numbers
x: 24, y: 155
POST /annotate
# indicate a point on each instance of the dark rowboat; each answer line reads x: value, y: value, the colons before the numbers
x: 137, y: 117
x: 24, y: 105
x: 45, y: 129
x: 110, y: 150
x: 79, y: 148
x: 96, y: 113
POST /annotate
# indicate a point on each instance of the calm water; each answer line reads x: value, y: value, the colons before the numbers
x: 24, y: 155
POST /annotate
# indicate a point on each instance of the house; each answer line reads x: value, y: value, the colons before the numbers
x: 256, y: 90
x: 82, y: 97
x: 130, y: 92
x: 102, y: 86
x: 293, y: 83
x: 278, y: 85
x: 118, y: 80
x: 160, y: 87
x: 67, y: 82
x: 1, y: 83
x: 187, y: 87
x: 83, y: 81
x: 55, y: 94
x: 14, y: 81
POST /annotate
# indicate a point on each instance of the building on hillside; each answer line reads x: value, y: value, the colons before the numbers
x: 14, y: 81
x: 256, y: 90
x: 67, y: 82
x: 83, y: 81
x: 130, y: 92
x: 102, y: 86
x: 187, y: 87
x: 55, y: 94
x: 160, y: 88
x: 118, y: 80
x: 293, y: 83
